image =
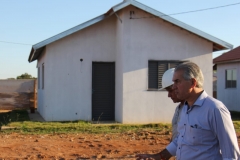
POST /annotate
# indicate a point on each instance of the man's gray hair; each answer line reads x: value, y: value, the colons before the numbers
x: 191, y: 70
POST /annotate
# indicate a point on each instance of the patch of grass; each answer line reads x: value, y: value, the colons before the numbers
x: 82, y: 127
x: 236, y: 125
x: 236, y: 120
x: 20, y: 121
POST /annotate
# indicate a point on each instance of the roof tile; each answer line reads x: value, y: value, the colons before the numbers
x: 229, y: 56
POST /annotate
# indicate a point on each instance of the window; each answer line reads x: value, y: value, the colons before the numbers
x: 43, y: 76
x: 156, y: 70
x: 38, y: 77
x: 231, y: 78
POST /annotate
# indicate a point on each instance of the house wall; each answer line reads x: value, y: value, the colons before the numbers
x: 119, y: 69
x: 229, y: 96
x: 154, y: 39
x: 41, y: 96
x: 68, y: 81
x: 130, y: 44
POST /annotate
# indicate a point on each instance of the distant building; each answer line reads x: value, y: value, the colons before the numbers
x: 228, y: 78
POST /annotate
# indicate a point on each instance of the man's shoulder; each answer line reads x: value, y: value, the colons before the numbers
x: 213, y: 103
x: 213, y: 100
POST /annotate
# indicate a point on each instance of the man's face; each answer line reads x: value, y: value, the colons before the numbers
x: 172, y: 95
x: 181, y: 86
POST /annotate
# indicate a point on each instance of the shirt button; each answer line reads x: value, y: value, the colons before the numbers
x: 184, y: 124
x: 179, y: 148
x: 182, y: 136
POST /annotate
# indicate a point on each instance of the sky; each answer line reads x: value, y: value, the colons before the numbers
x: 28, y: 22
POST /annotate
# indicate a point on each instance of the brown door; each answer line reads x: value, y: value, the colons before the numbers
x: 103, y: 91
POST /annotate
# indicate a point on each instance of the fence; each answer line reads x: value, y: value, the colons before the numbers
x: 18, y: 94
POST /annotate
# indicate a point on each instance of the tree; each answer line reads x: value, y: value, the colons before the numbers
x: 25, y: 76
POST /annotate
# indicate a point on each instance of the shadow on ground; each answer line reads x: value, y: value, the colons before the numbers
x: 235, y: 115
x: 9, y: 116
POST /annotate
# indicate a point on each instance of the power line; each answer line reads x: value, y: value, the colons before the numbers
x: 190, y: 11
x: 16, y: 43
x: 155, y: 17
x: 206, y: 9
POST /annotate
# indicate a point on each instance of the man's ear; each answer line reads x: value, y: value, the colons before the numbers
x: 194, y: 82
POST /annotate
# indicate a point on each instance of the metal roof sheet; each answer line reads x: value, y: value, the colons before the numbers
x: 217, y: 43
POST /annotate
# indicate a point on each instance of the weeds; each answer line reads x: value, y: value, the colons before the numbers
x: 19, y: 121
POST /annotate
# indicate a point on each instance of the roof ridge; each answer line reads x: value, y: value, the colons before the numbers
x: 218, y: 44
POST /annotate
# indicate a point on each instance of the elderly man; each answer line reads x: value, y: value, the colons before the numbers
x: 167, y: 84
x: 205, y: 129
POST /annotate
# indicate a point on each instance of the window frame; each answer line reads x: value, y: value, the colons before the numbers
x: 43, y: 76
x: 160, y: 63
x: 230, y: 84
x: 39, y: 69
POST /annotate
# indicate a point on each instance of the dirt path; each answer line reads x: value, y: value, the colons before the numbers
x: 80, y: 146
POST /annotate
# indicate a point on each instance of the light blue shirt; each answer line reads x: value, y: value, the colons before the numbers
x: 206, y: 132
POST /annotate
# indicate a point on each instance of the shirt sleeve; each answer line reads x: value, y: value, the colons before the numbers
x: 172, y: 147
x: 225, y: 132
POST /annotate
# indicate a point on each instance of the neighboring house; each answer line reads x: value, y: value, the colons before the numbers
x: 228, y: 75
x: 110, y: 67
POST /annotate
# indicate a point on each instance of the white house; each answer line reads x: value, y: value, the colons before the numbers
x: 228, y: 79
x: 110, y: 67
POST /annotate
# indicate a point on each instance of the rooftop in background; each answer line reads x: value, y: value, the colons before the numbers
x: 231, y: 56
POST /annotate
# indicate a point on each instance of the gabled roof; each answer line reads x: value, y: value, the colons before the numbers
x: 231, y: 56
x: 217, y: 43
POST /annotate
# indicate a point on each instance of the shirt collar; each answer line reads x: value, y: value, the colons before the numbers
x: 201, y: 99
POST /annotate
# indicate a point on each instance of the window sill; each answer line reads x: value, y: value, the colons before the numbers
x: 231, y: 88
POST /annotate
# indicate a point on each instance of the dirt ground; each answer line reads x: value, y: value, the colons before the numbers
x: 81, y: 146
